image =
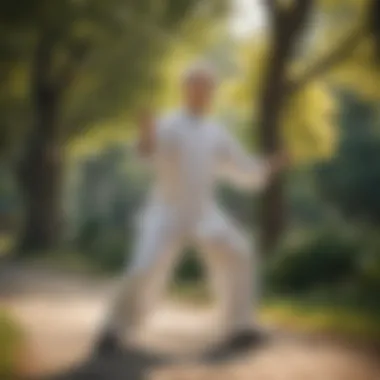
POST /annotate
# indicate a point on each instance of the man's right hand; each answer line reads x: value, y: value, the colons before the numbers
x: 279, y: 161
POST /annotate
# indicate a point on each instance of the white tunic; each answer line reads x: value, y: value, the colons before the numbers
x: 192, y: 153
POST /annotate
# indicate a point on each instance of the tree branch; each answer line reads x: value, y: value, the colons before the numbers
x: 299, y: 11
x: 288, y: 20
x: 276, y: 14
x: 329, y: 60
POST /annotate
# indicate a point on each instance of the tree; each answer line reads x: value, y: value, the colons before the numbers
x: 85, y: 61
x: 288, y: 20
x: 308, y: 127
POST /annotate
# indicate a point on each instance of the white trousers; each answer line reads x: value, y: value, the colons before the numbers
x: 162, y: 235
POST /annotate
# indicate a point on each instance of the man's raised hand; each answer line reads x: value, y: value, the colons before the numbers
x: 147, y: 127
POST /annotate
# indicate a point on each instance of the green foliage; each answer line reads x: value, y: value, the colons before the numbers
x: 304, y: 204
x: 102, y: 55
x: 190, y: 269
x: 338, y: 264
x: 350, y: 181
x: 10, y: 346
x: 109, y: 250
x: 368, y: 262
x: 321, y: 261
x: 321, y: 318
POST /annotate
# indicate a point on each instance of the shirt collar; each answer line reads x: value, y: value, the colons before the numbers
x: 192, y: 116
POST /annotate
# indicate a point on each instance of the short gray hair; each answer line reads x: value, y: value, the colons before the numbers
x: 200, y: 70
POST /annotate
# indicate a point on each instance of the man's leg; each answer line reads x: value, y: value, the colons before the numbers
x: 231, y: 263
x: 154, y: 255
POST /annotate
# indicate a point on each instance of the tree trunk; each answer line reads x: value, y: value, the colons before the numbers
x: 41, y: 167
x: 273, y: 94
x: 286, y: 26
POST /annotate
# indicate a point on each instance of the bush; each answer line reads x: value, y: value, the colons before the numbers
x: 326, y: 259
x: 111, y: 250
x: 368, y: 276
x: 104, y: 247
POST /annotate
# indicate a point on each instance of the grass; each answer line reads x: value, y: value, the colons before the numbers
x: 65, y: 260
x: 348, y: 322
x: 10, y: 346
x: 302, y: 316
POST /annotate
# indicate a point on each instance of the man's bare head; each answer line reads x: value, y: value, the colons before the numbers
x: 199, y: 83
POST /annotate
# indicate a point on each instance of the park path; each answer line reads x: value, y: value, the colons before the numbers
x: 61, y: 314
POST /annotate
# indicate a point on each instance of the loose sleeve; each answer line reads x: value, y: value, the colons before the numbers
x: 240, y: 168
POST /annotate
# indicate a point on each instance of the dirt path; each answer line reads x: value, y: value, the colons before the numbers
x: 61, y: 318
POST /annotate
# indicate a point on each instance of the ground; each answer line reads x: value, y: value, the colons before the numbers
x: 60, y: 315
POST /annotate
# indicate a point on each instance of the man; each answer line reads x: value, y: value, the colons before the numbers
x: 187, y: 151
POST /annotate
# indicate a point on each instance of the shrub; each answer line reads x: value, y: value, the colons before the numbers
x: 324, y: 259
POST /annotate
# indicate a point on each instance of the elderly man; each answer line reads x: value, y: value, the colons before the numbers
x: 188, y: 151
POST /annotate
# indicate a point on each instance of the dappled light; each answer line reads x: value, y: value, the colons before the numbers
x: 189, y: 189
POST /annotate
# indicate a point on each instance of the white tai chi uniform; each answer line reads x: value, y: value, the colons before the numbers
x: 190, y: 154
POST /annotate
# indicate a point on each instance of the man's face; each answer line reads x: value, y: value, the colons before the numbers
x: 199, y: 92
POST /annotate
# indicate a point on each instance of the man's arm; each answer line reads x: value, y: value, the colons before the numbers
x: 246, y: 171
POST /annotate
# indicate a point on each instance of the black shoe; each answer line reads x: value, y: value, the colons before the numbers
x: 239, y: 343
x: 108, y: 345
